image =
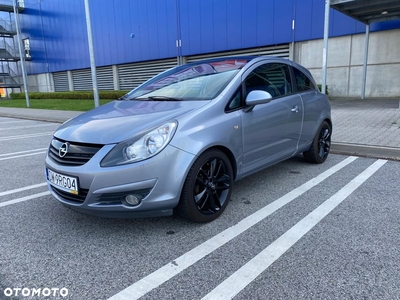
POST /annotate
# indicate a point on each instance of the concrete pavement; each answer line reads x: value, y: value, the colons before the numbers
x: 368, y: 127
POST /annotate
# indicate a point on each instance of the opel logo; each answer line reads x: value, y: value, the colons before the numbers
x: 62, y: 151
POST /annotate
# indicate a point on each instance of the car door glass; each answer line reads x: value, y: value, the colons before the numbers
x: 236, y: 100
x: 303, y: 83
x: 271, y: 77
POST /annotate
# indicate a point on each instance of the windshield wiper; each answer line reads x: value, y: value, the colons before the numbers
x: 163, y: 98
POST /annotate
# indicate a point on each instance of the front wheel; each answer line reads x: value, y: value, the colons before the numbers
x: 320, y: 146
x: 207, y: 188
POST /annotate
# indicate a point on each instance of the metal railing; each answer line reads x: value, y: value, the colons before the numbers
x: 7, y: 70
x: 9, y: 49
x: 7, y: 80
x: 8, y: 26
x: 8, y: 77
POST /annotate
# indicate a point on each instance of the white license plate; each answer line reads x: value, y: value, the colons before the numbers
x: 63, y: 182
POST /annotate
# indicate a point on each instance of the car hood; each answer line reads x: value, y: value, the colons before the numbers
x: 120, y: 120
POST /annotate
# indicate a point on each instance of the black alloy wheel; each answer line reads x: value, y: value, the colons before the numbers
x: 207, y: 188
x: 324, y: 143
x: 321, y: 145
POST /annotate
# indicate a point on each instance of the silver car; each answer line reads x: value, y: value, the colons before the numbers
x: 178, y: 142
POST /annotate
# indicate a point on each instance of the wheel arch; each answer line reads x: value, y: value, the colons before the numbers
x: 329, y: 121
x: 230, y: 156
x: 210, y: 209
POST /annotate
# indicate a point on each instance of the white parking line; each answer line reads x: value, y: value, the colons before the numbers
x: 251, y: 270
x: 26, y: 136
x: 28, y: 126
x: 158, y: 277
x: 21, y: 152
x: 6, y: 203
x: 23, y: 155
x: 34, y: 186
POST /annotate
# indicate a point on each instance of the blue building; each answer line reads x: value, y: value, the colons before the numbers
x: 135, y: 39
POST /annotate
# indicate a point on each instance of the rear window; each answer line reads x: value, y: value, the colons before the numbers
x: 303, y: 83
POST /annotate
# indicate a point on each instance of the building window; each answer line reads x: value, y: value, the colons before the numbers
x: 27, y: 47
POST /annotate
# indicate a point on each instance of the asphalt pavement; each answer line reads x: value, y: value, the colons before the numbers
x: 368, y: 127
x: 292, y: 231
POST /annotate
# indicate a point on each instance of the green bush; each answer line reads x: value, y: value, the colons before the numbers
x: 81, y: 95
x: 326, y: 89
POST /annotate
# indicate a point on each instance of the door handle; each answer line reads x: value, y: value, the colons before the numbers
x: 295, y: 109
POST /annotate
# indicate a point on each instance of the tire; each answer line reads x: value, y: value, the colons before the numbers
x: 320, y: 146
x: 207, y: 188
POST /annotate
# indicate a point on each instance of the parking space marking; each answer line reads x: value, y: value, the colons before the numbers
x: 168, y: 271
x: 6, y: 203
x: 28, y: 126
x: 23, y: 155
x: 34, y: 186
x: 251, y: 270
x: 21, y: 152
x: 26, y: 136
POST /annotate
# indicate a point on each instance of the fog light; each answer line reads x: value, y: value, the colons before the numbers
x: 132, y: 200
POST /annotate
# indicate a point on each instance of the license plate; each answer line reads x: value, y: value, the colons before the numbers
x: 66, y: 183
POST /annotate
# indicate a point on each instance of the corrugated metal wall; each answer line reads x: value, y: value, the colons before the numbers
x: 280, y: 51
x: 82, y: 80
x: 105, y: 78
x: 135, y: 31
x: 60, y: 81
x: 132, y: 75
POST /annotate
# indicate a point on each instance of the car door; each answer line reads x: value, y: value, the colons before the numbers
x: 271, y: 131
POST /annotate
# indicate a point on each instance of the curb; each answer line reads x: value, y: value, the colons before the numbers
x: 366, y: 150
x: 39, y: 114
x: 34, y: 118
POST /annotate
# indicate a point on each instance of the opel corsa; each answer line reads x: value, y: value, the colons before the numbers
x: 178, y: 142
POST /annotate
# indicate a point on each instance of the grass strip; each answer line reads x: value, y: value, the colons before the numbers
x: 56, y: 104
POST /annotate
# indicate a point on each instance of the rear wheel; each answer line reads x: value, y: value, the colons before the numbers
x: 207, y: 188
x: 320, y: 146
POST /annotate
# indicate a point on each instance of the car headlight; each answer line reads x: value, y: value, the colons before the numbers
x: 140, y: 148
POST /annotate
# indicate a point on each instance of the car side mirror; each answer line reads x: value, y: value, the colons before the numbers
x: 257, y: 97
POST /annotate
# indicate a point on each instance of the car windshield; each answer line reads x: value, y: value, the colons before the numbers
x: 202, y: 81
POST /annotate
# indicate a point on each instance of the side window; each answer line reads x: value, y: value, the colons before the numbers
x: 303, y: 83
x: 236, y: 100
x: 272, y: 77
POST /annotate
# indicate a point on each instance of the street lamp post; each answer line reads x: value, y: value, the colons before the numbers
x: 325, y: 50
x: 21, y: 55
x: 91, y: 54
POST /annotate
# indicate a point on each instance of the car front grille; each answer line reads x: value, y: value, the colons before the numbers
x: 71, y: 197
x: 76, y: 154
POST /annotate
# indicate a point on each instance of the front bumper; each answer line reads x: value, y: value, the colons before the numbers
x: 158, y: 181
